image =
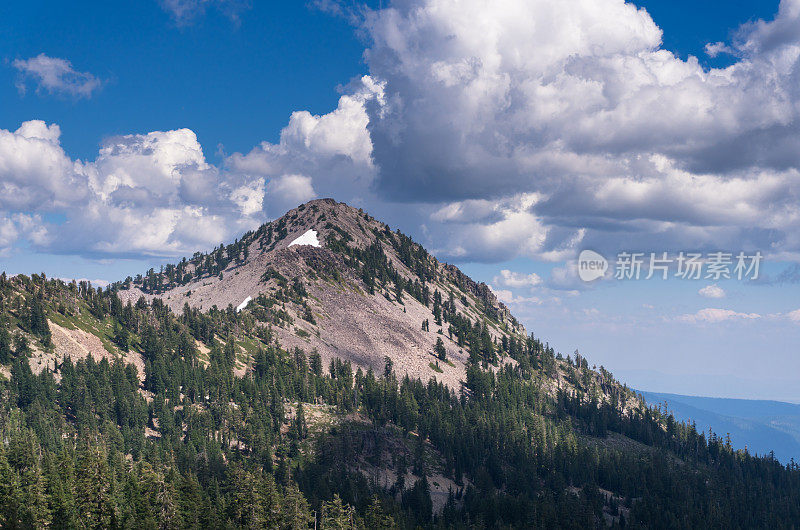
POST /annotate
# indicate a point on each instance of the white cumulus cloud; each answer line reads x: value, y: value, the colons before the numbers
x: 517, y: 280
x: 327, y: 155
x: 510, y: 128
x: 507, y: 297
x: 287, y: 191
x: 623, y: 142
x: 35, y: 172
x: 151, y: 194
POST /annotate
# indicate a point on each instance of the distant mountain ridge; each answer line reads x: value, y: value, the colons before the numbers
x: 760, y: 425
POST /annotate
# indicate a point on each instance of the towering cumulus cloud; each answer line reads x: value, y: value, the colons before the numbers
x: 577, y: 101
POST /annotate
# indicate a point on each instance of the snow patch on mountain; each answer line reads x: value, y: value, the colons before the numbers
x: 309, y: 238
x: 244, y: 304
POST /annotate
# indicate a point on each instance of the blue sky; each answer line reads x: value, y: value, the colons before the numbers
x: 232, y: 83
x: 504, y: 136
x: 688, y: 26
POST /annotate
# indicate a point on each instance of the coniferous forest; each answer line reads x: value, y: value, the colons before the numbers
x: 188, y: 444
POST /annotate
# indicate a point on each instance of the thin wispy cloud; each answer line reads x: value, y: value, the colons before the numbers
x: 712, y: 291
x: 711, y: 315
x: 186, y: 12
x: 53, y: 75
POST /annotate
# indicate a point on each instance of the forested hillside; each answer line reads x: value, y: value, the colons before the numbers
x: 123, y: 412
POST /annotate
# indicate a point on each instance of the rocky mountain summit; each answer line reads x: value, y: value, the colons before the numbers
x: 330, y: 277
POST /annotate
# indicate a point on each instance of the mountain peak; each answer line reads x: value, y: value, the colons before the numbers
x: 330, y: 277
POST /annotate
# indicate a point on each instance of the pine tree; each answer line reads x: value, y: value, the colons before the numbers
x: 270, y: 501
x: 315, y: 362
x: 376, y: 518
x: 300, y: 428
x: 441, y: 352
x: 189, y: 500
x: 168, y: 511
x: 337, y: 515
x: 21, y: 346
x: 295, y: 513
x: 11, y: 496
x: 418, y: 500
x: 35, y: 512
x: 388, y: 366
x: 230, y: 351
x: 61, y: 486
x: 5, y: 345
x: 246, y: 500
x: 308, y: 315
x: 121, y: 338
x: 93, y: 488
x: 37, y: 320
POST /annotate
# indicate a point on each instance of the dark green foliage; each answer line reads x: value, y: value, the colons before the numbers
x: 299, y: 425
x: 194, y: 446
x: 5, y: 345
x: 271, y: 273
x: 337, y: 515
x: 21, y: 345
x: 308, y: 315
x: 418, y: 500
x: 200, y: 265
x: 36, y: 319
x: 388, y: 366
x: 441, y: 353
x: 121, y: 337
x: 376, y: 517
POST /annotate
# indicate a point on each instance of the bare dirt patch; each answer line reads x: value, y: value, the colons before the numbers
x: 77, y: 344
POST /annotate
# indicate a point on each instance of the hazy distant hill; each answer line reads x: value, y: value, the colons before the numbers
x: 760, y: 425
